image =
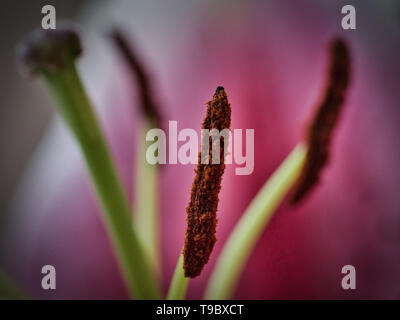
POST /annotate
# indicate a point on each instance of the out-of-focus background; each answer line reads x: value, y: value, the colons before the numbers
x: 24, y: 109
x: 271, y: 57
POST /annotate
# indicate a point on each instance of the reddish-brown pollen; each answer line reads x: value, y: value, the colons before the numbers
x: 319, y: 133
x: 202, y: 209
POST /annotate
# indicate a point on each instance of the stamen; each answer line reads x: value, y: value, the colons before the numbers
x: 147, y: 220
x: 320, y: 130
x: 149, y: 107
x: 202, y: 209
x: 51, y: 54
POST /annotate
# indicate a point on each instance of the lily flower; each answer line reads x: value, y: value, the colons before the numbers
x: 272, y: 58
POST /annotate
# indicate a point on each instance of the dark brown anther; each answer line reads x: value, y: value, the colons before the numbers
x: 149, y: 107
x: 48, y: 51
x: 202, y: 209
x: 319, y: 133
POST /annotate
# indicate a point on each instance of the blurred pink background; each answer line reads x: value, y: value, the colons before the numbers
x: 271, y: 57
